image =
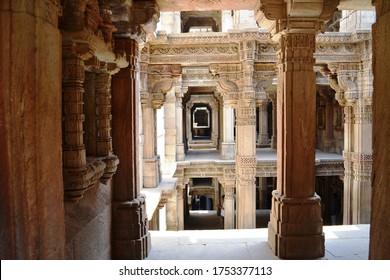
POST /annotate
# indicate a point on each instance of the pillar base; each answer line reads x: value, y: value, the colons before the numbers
x: 131, y: 238
x: 295, y: 227
x: 151, y: 170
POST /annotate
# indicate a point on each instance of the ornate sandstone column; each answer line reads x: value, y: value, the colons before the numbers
x: 179, y: 124
x: 32, y: 222
x: 130, y: 236
x: 151, y: 176
x: 246, y: 144
x: 229, y: 203
x: 329, y: 136
x: 295, y: 227
x: 357, y: 141
x: 272, y: 97
x: 294, y: 201
x: 228, y: 145
x: 263, y: 139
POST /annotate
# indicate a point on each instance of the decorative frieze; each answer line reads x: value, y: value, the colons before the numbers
x: 182, y: 47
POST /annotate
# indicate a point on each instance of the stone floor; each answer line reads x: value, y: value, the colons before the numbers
x: 341, y: 242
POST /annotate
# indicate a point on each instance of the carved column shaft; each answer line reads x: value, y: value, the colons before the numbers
x: 151, y: 176
x: 362, y: 164
x: 274, y: 121
x: 31, y: 202
x: 103, y: 113
x: 125, y: 123
x: 73, y: 75
x: 295, y: 221
x: 130, y: 236
x: 246, y: 163
x: 348, y: 171
x: 263, y: 193
x: 228, y: 146
x: 263, y: 125
x: 171, y: 212
x: 180, y: 206
x: 179, y: 125
x: 329, y: 121
x: 229, y: 205
x: 170, y: 126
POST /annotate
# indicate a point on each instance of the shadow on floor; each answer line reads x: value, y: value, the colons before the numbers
x: 208, y: 219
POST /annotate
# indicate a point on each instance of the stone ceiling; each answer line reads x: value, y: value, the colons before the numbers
x: 205, y: 5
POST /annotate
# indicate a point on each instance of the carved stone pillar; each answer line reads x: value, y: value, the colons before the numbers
x: 79, y: 175
x: 228, y: 145
x: 170, y: 132
x: 263, y: 193
x: 31, y: 202
x: 229, y: 205
x: 73, y: 78
x: 216, y: 196
x: 263, y: 139
x: 357, y: 140
x: 97, y: 109
x: 348, y: 171
x: 130, y: 236
x: 329, y: 136
x: 229, y: 182
x: 380, y: 221
x: 295, y: 227
x: 180, y: 205
x: 362, y: 165
x: 151, y: 176
x: 179, y: 124
x: 272, y: 97
x: 171, y: 212
x: 246, y: 164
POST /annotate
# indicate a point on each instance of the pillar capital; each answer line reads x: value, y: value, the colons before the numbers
x: 292, y: 16
x: 135, y: 19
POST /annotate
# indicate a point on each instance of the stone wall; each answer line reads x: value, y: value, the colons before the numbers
x: 88, y: 225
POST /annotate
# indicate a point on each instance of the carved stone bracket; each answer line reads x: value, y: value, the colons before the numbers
x: 135, y: 19
x: 347, y: 76
x: 78, y: 180
x: 263, y: 78
x: 334, y: 84
x: 161, y: 80
x: 228, y: 80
